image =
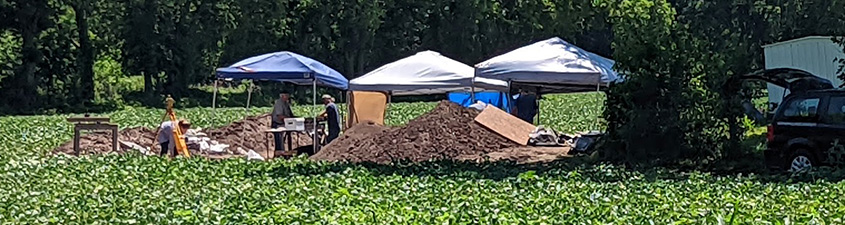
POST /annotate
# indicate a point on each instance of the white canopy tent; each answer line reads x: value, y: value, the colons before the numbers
x: 423, y: 73
x: 426, y: 72
x: 550, y: 66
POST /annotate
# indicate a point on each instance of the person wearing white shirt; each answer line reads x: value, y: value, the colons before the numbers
x: 165, y: 136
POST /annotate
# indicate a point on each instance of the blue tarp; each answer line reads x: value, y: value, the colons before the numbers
x: 498, y: 99
x: 286, y: 67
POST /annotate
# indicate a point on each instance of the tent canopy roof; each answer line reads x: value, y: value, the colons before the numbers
x: 552, y: 65
x: 426, y: 72
x: 285, y: 67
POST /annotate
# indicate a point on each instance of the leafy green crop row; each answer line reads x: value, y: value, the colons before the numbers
x: 150, y: 190
x: 129, y: 189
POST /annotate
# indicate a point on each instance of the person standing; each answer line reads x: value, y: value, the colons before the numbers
x: 281, y: 111
x: 165, y: 136
x: 332, y: 117
x: 526, y: 106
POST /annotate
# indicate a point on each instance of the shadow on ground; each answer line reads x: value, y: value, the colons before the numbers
x: 573, y: 168
x: 747, y: 165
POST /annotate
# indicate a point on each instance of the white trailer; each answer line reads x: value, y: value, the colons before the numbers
x: 815, y: 54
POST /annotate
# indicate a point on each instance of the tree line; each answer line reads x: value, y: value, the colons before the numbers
x: 71, y: 55
x: 59, y: 50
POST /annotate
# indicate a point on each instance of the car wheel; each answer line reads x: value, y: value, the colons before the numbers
x: 801, y: 160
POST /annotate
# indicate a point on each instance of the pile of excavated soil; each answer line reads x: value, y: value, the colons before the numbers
x: 355, y: 144
x: 247, y: 134
x: 447, y: 132
x: 101, y: 142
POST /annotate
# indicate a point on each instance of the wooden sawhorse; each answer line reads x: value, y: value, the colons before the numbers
x: 92, y: 124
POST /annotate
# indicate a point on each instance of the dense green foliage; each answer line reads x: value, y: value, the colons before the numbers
x: 841, y: 71
x: 59, y: 54
x: 174, y: 45
x: 680, y: 101
x: 41, y: 189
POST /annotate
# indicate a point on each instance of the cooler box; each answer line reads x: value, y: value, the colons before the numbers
x: 295, y: 124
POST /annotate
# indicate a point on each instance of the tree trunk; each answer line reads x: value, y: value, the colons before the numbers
x: 31, y: 55
x: 86, y: 52
x: 148, y: 83
x: 151, y: 61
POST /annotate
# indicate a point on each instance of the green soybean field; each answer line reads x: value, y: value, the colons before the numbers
x: 38, y: 188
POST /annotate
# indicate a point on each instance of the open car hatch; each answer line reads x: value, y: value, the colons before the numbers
x: 794, y: 80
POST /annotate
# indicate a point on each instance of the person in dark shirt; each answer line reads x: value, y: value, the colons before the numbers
x: 332, y: 118
x: 526, y: 106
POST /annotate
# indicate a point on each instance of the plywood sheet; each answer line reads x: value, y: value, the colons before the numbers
x: 505, y: 124
x: 366, y: 106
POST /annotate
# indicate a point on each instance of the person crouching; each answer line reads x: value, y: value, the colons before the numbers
x: 165, y: 136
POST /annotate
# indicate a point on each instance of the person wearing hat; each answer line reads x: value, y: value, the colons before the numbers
x: 165, y: 136
x: 332, y: 117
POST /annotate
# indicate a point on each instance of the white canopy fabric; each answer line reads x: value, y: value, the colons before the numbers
x: 552, y: 65
x: 426, y: 72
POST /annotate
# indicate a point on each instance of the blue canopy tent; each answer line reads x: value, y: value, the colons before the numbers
x: 283, y: 67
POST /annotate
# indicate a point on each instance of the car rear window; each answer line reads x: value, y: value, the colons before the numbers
x: 801, y: 109
x: 836, y: 110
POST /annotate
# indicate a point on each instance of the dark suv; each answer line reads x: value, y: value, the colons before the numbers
x: 809, y: 122
x: 805, y: 128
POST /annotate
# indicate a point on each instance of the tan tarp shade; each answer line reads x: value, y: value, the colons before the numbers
x: 366, y: 106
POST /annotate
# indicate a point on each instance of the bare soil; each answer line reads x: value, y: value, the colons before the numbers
x: 247, y: 134
x: 448, y: 132
x: 101, y: 142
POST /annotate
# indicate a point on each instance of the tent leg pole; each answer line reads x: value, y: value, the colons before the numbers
x: 472, y: 95
x: 537, y: 101
x: 348, y: 114
x: 598, y: 91
x: 249, y: 95
x: 314, y: 103
x: 387, y: 107
x: 510, y: 97
x: 214, y: 97
x: 342, y: 96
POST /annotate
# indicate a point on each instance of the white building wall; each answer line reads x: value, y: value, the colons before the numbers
x: 814, y: 54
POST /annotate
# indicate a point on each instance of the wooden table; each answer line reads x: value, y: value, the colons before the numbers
x: 91, y: 124
x: 286, y: 137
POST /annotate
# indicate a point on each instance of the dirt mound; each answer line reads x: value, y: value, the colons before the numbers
x: 247, y: 134
x: 447, y: 132
x: 355, y: 144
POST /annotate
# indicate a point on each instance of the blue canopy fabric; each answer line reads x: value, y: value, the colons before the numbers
x: 498, y: 99
x: 285, y: 67
x: 551, y: 66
